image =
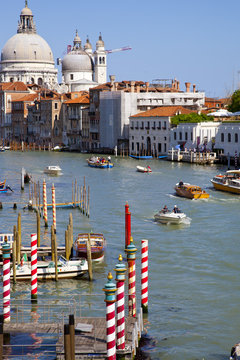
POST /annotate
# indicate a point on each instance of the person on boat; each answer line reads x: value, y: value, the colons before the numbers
x: 180, y: 184
x: 164, y: 209
x: 176, y: 209
x: 109, y: 158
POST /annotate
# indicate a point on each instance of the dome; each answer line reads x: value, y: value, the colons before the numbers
x: 77, y: 61
x: 87, y: 45
x: 27, y: 47
x: 100, y: 42
x: 26, y: 11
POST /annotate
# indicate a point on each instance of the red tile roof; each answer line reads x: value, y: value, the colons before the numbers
x: 164, y: 111
x: 84, y: 99
x: 14, y: 86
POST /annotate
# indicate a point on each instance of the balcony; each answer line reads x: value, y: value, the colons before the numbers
x: 153, y: 127
x: 147, y: 127
x: 136, y: 127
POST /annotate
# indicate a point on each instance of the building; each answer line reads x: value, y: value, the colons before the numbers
x: 149, y: 131
x: 26, y: 56
x: 112, y: 104
x: 227, y: 139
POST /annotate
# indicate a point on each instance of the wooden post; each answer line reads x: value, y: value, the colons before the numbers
x: 71, y: 231
x: 69, y: 240
x: 52, y: 242
x: 19, y: 228
x: 72, y: 335
x: 89, y: 258
x: 38, y: 229
x: 18, y: 247
x: 72, y: 192
x: 55, y: 257
x: 88, y: 210
x: 22, y: 178
x: 66, y: 245
x: 14, y: 260
x: 67, y: 343
x: 81, y: 201
x: 39, y: 198
x: 75, y: 193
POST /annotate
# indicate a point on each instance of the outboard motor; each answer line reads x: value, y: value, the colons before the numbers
x: 9, y: 188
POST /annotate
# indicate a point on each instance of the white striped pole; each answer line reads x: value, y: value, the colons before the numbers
x: 54, y: 207
x: 33, y: 267
x: 6, y: 281
x: 110, y: 299
x: 45, y: 216
x: 131, y: 257
x: 120, y: 278
x: 144, y: 277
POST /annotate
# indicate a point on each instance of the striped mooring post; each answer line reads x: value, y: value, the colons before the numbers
x: 6, y: 281
x: 120, y: 278
x: 45, y: 216
x: 110, y: 299
x: 34, y: 267
x: 131, y: 257
x: 127, y: 225
x: 54, y: 208
x: 144, y: 277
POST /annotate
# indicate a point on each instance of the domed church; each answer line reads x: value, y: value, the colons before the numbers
x: 26, y: 56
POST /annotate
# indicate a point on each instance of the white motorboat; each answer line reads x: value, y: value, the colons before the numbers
x: 46, y: 269
x: 170, y: 217
x: 142, y: 169
x: 53, y: 170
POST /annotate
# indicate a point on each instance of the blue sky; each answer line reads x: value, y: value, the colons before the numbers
x: 194, y: 41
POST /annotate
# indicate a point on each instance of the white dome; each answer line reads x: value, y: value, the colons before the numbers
x: 26, y: 11
x: 77, y: 61
x: 27, y: 47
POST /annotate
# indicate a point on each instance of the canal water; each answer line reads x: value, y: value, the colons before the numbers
x: 194, y: 270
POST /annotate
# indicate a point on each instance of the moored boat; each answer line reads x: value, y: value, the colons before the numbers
x: 97, y: 243
x: 230, y: 181
x: 190, y: 191
x: 170, y: 217
x: 2, y: 184
x: 142, y: 169
x: 52, y: 170
x: 46, y: 269
x: 100, y: 163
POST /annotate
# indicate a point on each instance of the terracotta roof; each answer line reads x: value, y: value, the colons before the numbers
x: 164, y: 111
x: 28, y: 97
x: 14, y: 86
x: 84, y: 99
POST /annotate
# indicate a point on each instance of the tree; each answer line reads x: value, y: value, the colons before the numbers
x: 190, y: 118
x: 235, y: 102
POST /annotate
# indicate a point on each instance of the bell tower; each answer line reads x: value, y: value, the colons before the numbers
x: 100, y: 62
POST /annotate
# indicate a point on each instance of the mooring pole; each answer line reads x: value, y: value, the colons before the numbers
x: 131, y: 258
x: 6, y: 280
x: 120, y: 278
x: 33, y: 267
x: 144, y: 276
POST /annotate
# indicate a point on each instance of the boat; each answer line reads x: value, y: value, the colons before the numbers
x: 52, y: 170
x: 144, y: 157
x: 100, y: 163
x: 230, y: 181
x: 142, y: 169
x: 190, y: 191
x: 2, y: 184
x: 97, y: 242
x: 27, y: 178
x: 170, y: 217
x: 6, y: 189
x: 46, y: 269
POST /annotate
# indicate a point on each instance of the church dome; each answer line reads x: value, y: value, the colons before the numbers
x: 26, y: 11
x: 27, y: 47
x: 77, y: 60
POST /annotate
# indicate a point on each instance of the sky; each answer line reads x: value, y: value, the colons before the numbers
x: 192, y: 41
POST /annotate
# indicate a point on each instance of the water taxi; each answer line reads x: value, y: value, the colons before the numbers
x: 230, y: 181
x: 97, y: 244
x: 190, y: 191
x: 53, y: 170
x: 143, y: 169
x: 170, y: 217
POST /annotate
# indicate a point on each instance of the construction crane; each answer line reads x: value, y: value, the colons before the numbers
x: 120, y: 49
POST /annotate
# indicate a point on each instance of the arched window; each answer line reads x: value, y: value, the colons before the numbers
x: 222, y: 137
x: 100, y: 60
x: 103, y: 60
x: 236, y: 137
x: 11, y: 79
x: 32, y: 80
x: 229, y: 137
x: 56, y: 117
x: 180, y: 135
x: 40, y: 81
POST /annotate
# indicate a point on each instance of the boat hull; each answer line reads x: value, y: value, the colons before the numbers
x: 97, y: 243
x: 100, y: 165
x: 226, y: 188
x: 170, y: 218
x: 143, y: 169
x: 191, y: 195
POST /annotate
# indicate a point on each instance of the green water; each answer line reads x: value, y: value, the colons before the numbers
x: 194, y: 270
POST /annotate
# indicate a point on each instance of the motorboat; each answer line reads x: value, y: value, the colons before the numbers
x: 53, y: 170
x: 100, y: 163
x: 97, y: 243
x: 170, y: 217
x: 46, y: 269
x: 190, y: 191
x: 142, y: 169
x: 2, y: 184
x: 230, y: 181
x: 6, y: 189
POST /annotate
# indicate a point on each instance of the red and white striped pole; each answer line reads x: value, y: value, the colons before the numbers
x: 110, y: 299
x: 54, y: 207
x: 6, y: 281
x: 144, y: 277
x: 120, y: 278
x: 127, y: 225
x: 45, y: 216
x: 33, y: 267
x: 131, y: 257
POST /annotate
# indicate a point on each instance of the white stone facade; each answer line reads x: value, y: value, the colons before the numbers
x: 228, y: 138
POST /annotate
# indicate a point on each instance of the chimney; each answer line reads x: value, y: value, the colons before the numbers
x: 187, y: 84
x: 137, y: 88
x: 177, y: 85
x: 194, y: 88
x: 132, y: 83
x: 112, y: 79
x: 115, y: 86
x: 147, y: 86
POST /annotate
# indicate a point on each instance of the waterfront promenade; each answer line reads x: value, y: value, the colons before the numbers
x: 193, y: 270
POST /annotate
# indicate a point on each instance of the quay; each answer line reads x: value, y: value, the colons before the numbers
x: 201, y: 158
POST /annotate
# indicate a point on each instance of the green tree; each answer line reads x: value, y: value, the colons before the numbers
x: 190, y: 118
x: 235, y: 102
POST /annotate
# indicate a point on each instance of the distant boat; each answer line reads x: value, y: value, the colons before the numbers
x: 52, y: 170
x: 100, y: 163
x: 97, y: 243
x: 6, y: 189
x: 142, y: 169
x: 191, y: 191
x: 141, y: 157
x: 2, y: 184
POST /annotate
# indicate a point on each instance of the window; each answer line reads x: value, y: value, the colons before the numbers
x: 159, y: 125
x: 71, y: 76
x: 132, y: 146
x: 56, y: 117
x: 142, y: 137
x: 229, y: 137
x: 222, y: 137
x: 132, y: 137
x: 191, y: 136
x: 137, y: 146
x: 56, y: 105
x: 236, y: 137
x: 175, y: 135
x: 186, y: 136
x: 165, y: 147
x: 103, y: 60
x: 180, y: 135
x: 165, y: 125
x: 159, y: 147
x: 142, y: 125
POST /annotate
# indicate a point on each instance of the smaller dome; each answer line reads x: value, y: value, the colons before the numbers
x: 77, y: 38
x: 87, y: 45
x: 26, y: 11
x: 100, y: 41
